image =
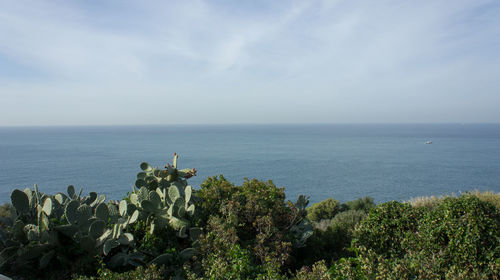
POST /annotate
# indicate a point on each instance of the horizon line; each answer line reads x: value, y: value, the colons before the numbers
x: 245, y: 124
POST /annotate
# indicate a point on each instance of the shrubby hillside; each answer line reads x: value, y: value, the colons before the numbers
x: 165, y: 229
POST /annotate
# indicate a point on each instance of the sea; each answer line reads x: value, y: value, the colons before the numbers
x: 342, y: 161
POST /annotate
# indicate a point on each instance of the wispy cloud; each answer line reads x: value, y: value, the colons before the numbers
x: 298, y: 61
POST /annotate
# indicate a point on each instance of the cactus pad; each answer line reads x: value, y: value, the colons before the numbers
x: 20, y: 201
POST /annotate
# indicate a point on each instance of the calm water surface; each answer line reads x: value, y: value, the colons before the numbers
x: 387, y: 162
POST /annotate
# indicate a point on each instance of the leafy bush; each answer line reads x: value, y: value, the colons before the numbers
x: 151, y: 272
x: 386, y: 226
x: 325, y: 209
x: 5, y: 221
x: 332, y: 242
x: 255, y: 217
x: 432, y: 202
x: 462, y: 233
x: 319, y: 271
x: 365, y: 204
x: 348, y: 219
x: 222, y: 257
x: 458, y: 239
x: 5, y: 210
x: 491, y: 197
x: 214, y: 192
x: 235, y: 263
x: 429, y: 202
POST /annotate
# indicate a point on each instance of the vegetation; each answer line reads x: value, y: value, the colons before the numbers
x: 165, y: 229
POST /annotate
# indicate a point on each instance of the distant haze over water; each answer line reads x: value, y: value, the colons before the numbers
x: 343, y: 161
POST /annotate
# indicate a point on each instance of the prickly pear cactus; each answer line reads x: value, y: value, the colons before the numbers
x: 43, y: 226
x: 164, y: 197
x: 153, y: 178
x: 41, y: 222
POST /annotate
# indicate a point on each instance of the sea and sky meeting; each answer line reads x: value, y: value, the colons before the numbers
x: 220, y: 62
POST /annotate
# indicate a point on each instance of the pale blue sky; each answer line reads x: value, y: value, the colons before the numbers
x: 179, y: 62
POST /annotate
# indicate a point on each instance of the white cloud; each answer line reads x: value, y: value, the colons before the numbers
x: 319, y: 54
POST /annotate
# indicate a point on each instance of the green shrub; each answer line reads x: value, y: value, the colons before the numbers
x: 222, y: 257
x: 365, y: 204
x: 214, y: 192
x: 234, y: 263
x: 462, y: 234
x: 386, y: 226
x: 5, y: 210
x: 255, y: 217
x: 319, y: 271
x: 491, y: 197
x: 331, y: 242
x: 432, y: 202
x: 5, y: 220
x: 428, y: 202
x: 348, y: 219
x: 458, y: 239
x: 151, y: 272
x: 325, y: 209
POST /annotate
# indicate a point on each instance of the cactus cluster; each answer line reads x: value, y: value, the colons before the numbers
x: 41, y: 222
x: 153, y: 178
x: 164, y: 197
x: 42, y: 225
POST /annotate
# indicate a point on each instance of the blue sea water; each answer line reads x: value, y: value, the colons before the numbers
x: 385, y: 161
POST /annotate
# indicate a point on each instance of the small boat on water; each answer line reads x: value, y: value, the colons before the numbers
x: 428, y: 142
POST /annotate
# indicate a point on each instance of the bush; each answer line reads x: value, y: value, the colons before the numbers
x: 386, y: 226
x: 459, y: 239
x: 432, y: 202
x: 462, y: 233
x: 235, y: 263
x: 325, y: 209
x: 365, y: 204
x: 223, y: 258
x: 319, y: 271
x: 253, y: 216
x: 5, y: 220
x: 348, y: 219
x: 141, y: 273
x: 491, y: 197
x: 331, y: 242
x: 5, y: 210
x: 428, y: 202
x: 214, y: 192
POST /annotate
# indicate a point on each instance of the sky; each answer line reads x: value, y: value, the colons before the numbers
x: 120, y: 62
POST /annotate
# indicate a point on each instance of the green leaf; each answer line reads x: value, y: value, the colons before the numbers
x: 101, y: 212
x: 109, y: 245
x: 148, y: 206
x: 20, y: 201
x: 162, y: 259
x: 96, y: 229
x: 123, y: 208
x: 71, y: 211
x: 140, y: 183
x: 188, y: 192
x: 71, y: 191
x: 146, y: 167
x: 173, y: 193
x: 134, y: 217
x: 187, y: 253
x: 47, y: 206
x: 134, y: 199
